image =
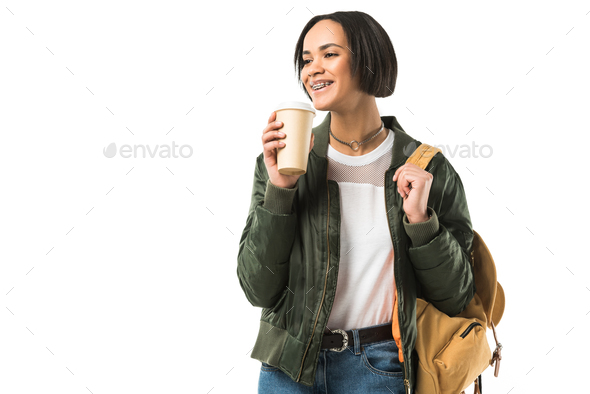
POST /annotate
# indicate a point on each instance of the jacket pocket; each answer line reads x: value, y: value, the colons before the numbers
x: 272, y: 315
x: 280, y: 302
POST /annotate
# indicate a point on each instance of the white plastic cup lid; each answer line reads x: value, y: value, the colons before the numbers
x: 295, y: 105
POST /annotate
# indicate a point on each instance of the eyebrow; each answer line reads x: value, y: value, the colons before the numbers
x: 321, y: 48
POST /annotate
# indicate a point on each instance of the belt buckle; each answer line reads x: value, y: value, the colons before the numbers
x: 344, y: 340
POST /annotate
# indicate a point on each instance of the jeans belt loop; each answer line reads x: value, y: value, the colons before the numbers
x: 357, y: 342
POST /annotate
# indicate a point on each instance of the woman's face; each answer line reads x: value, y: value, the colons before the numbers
x: 331, y: 63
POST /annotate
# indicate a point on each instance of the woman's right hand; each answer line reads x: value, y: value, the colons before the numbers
x: 271, y: 140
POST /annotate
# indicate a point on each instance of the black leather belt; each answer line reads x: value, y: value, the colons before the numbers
x: 338, y: 340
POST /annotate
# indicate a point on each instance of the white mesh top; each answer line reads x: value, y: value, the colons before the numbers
x: 365, y: 289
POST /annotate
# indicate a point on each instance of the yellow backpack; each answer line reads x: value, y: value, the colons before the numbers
x: 454, y: 351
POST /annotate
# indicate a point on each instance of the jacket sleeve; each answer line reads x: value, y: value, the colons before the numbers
x: 441, y: 246
x: 266, y: 241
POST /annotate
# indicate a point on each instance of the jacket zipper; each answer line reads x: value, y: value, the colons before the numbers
x: 325, y: 280
x: 406, y: 375
x: 468, y: 329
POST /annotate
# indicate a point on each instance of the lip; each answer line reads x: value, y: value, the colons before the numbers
x: 315, y: 82
x: 323, y: 89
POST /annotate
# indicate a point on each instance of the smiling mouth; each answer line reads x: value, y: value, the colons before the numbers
x: 322, y: 89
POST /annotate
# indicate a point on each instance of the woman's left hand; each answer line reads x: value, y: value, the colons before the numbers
x: 413, y: 183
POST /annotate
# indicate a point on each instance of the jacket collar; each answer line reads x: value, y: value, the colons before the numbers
x: 402, y: 143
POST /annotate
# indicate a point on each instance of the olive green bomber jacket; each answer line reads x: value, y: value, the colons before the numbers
x: 289, y: 253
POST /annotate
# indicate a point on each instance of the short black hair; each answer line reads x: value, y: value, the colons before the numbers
x: 371, y: 50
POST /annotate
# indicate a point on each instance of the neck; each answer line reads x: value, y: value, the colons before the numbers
x: 358, y: 124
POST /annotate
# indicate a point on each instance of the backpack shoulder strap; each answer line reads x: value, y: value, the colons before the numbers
x: 422, y: 155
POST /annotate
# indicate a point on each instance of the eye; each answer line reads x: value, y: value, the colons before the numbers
x: 329, y: 53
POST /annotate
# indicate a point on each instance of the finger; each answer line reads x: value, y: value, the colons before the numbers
x: 408, y: 168
x: 403, y: 184
x: 407, y: 189
x: 271, y: 119
x: 272, y: 145
x: 272, y: 124
x: 400, y: 169
x: 400, y: 181
x: 270, y: 135
x: 270, y: 148
x: 400, y: 178
x: 271, y: 131
x: 402, y: 192
x: 273, y: 138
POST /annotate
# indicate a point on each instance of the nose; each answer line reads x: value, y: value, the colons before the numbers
x: 315, y: 67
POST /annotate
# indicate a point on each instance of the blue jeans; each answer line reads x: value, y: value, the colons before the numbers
x: 367, y: 368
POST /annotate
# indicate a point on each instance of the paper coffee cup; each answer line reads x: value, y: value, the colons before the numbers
x: 297, y: 118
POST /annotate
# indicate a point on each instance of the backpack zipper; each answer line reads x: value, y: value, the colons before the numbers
x: 406, y: 375
x: 325, y: 280
x: 468, y: 329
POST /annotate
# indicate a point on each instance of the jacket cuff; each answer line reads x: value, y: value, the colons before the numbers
x: 423, y: 232
x: 279, y: 199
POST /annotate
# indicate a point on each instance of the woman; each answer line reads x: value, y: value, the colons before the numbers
x: 337, y: 257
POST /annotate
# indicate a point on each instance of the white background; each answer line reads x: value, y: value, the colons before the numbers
x: 119, y: 275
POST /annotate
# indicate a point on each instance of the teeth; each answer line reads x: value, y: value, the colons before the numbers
x: 321, y: 85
